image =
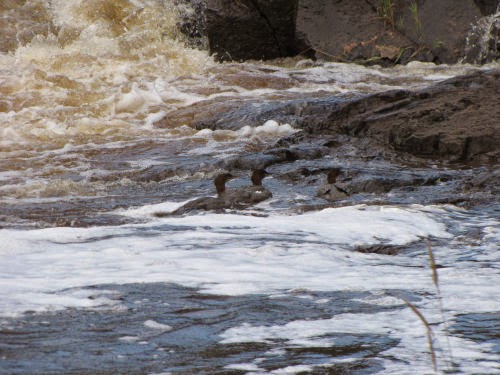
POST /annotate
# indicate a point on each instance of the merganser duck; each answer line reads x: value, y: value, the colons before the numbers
x: 330, y: 190
x: 250, y: 195
x: 205, y: 203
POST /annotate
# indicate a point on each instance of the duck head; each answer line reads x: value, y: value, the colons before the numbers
x: 332, y: 175
x: 258, y: 175
x: 220, y: 182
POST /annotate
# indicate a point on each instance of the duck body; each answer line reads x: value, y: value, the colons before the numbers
x: 249, y: 195
x: 204, y: 203
x: 331, y: 192
x: 201, y: 204
x: 330, y: 189
x: 233, y: 199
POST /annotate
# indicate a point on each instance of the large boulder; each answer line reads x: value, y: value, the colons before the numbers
x: 362, y: 31
x: 348, y: 31
x: 483, y: 41
x: 251, y: 29
x: 366, y: 31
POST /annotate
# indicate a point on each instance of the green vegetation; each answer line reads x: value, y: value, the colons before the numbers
x: 400, y: 23
x: 400, y: 55
x: 386, y: 11
x: 437, y: 44
x: 416, y: 19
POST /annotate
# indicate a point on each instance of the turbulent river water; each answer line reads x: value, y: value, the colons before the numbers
x: 92, y: 282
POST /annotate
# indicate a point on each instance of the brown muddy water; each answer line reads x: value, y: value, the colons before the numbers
x: 91, y: 282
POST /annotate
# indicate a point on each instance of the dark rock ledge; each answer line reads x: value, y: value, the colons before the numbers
x: 455, y: 120
x: 251, y: 29
x: 440, y: 144
x: 362, y: 31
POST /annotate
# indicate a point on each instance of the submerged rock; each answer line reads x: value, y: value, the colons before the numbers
x: 381, y: 249
x: 330, y: 190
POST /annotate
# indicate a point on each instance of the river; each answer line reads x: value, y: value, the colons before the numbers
x: 92, y: 282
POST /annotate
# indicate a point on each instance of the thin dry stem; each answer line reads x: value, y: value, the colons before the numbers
x: 429, y: 332
x: 435, y: 279
x: 433, y: 265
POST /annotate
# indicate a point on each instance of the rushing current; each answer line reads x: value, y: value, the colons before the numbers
x: 92, y: 282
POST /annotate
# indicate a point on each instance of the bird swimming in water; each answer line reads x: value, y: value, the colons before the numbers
x: 205, y: 203
x: 330, y: 190
x: 247, y: 196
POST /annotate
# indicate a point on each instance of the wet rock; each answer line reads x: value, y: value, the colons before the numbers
x: 234, y: 113
x: 191, y: 23
x: 272, y: 156
x: 487, y: 180
x: 250, y: 161
x: 455, y: 120
x: 458, y: 120
x: 373, y: 181
x: 251, y: 29
x: 381, y: 249
x: 483, y: 40
x: 362, y: 31
x: 59, y: 214
x: 227, y: 114
x: 378, y: 185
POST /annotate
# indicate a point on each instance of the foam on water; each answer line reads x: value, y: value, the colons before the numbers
x: 103, y: 62
x: 235, y: 254
x: 253, y: 254
x: 400, y: 325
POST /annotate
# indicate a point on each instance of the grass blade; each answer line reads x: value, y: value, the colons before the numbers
x: 430, y: 340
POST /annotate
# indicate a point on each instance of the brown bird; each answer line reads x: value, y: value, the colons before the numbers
x: 330, y: 189
x: 205, y: 203
x: 250, y: 195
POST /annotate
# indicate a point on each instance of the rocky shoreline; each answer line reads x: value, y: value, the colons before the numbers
x: 361, y: 31
x: 446, y: 136
x: 440, y: 144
